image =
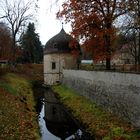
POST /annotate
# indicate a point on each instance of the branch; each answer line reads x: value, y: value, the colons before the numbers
x: 3, y: 17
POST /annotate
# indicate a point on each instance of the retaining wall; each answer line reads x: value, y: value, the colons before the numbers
x: 118, y: 92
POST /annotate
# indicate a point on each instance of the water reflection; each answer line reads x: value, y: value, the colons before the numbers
x: 57, y: 120
x: 56, y: 123
x: 45, y: 134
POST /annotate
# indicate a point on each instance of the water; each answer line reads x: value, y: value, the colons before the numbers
x: 45, y: 134
x: 56, y: 123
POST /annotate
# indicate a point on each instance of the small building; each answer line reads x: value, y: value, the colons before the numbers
x: 126, y: 54
x: 61, y: 52
x: 3, y: 62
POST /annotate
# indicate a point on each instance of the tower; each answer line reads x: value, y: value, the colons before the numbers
x: 61, y: 52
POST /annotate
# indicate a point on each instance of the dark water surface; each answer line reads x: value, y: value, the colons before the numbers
x: 55, y: 122
x: 45, y: 134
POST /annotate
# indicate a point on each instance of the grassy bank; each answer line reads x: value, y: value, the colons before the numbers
x: 103, y: 124
x: 18, y: 118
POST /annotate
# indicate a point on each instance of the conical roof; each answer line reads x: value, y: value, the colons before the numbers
x: 60, y: 43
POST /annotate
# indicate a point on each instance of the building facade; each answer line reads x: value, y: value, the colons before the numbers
x: 61, y: 52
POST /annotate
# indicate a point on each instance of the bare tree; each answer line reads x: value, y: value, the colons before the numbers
x: 16, y: 13
x: 135, y: 15
x: 132, y: 43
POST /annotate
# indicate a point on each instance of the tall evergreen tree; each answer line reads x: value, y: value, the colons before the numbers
x: 31, y: 44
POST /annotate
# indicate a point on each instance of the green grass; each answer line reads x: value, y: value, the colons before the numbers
x: 8, y: 87
x: 17, y: 113
x: 88, y: 67
x: 98, y: 121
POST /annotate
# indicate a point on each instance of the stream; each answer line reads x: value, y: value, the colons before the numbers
x: 55, y: 122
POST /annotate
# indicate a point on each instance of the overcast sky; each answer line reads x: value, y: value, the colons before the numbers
x: 48, y: 25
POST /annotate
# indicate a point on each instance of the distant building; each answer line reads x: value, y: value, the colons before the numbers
x: 87, y: 61
x: 3, y: 62
x: 61, y: 52
x: 124, y: 55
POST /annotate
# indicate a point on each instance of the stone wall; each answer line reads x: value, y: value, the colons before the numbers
x: 118, y: 92
x: 61, y: 60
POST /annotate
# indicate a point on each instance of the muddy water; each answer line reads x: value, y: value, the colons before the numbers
x: 55, y: 122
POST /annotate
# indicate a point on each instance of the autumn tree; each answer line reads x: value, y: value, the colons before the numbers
x: 5, y: 42
x: 31, y: 45
x: 16, y: 13
x: 92, y: 21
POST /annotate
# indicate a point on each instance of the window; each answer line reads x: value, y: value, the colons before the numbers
x: 53, y: 65
x: 55, y: 45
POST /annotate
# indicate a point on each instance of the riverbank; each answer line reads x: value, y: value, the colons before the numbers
x: 100, y: 123
x: 18, y: 120
x: 18, y: 117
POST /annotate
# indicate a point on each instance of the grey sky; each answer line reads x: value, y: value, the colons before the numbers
x: 48, y: 25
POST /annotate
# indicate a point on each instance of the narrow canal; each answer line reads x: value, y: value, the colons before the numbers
x: 55, y: 122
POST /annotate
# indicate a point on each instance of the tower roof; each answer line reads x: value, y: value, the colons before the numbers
x: 60, y: 43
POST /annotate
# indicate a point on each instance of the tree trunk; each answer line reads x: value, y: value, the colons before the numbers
x: 14, y: 52
x: 139, y: 33
x: 139, y: 48
x: 135, y: 49
x: 108, y: 51
x: 108, y: 65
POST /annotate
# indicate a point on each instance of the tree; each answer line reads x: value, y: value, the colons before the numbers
x: 5, y: 42
x: 135, y: 15
x: 133, y: 51
x: 16, y: 13
x: 129, y: 41
x: 92, y: 20
x: 132, y: 27
x: 31, y: 45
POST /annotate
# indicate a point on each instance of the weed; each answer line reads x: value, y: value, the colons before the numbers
x: 8, y: 87
x: 17, y: 116
x: 100, y: 122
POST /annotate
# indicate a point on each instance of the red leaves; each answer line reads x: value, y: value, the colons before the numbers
x: 73, y: 44
x: 5, y: 42
x: 91, y: 21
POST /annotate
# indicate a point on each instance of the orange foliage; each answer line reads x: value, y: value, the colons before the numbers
x: 92, y: 21
x: 18, y: 52
x: 74, y: 45
x: 5, y: 42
